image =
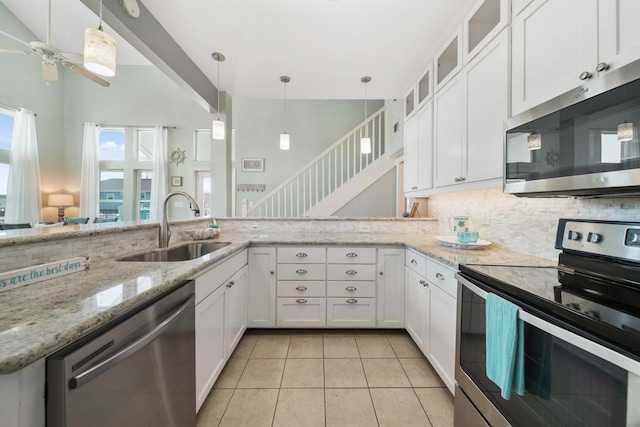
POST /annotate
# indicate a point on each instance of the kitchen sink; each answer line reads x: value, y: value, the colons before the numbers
x: 178, y: 253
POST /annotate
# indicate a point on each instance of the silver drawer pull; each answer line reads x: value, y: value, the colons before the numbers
x: 301, y: 301
x: 423, y: 283
x: 351, y: 272
x: 301, y: 271
x: 352, y: 301
x: 351, y: 288
x: 352, y: 255
x: 301, y: 288
x: 301, y: 255
x: 414, y: 262
x: 440, y: 276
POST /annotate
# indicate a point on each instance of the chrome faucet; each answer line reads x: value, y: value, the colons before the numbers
x: 165, y: 233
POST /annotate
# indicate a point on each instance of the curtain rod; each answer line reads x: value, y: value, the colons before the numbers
x: 13, y: 108
x: 131, y: 126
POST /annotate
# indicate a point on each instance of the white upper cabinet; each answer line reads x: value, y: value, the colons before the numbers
x: 425, y: 86
x: 482, y: 24
x: 418, y: 143
x: 448, y: 60
x: 559, y: 44
x: 448, y: 122
x: 410, y: 103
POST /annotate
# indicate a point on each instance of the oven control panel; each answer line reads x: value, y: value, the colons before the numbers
x: 615, y: 239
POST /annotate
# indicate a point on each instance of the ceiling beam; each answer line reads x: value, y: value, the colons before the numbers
x: 150, y: 38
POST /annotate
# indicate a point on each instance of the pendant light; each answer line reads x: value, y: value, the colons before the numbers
x: 217, y: 127
x: 365, y: 143
x: 625, y: 131
x: 534, y: 141
x: 99, y: 50
x: 284, y: 137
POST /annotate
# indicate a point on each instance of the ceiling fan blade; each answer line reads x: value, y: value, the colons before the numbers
x: 74, y: 58
x: 78, y: 69
x: 15, y: 38
x: 14, y: 51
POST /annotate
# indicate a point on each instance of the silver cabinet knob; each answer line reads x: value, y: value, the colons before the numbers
x: 415, y: 187
x: 301, y: 301
x: 414, y: 262
x: 301, y: 288
x: 440, y: 276
x: 272, y: 272
x: 352, y: 301
x: 603, y: 66
x: 301, y: 255
x: 301, y: 271
x: 352, y: 272
x: 381, y: 273
x: 351, y: 288
x: 352, y: 254
x: 585, y: 75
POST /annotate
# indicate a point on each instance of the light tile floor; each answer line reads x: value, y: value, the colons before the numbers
x: 327, y: 378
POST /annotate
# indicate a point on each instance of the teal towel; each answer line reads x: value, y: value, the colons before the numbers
x: 504, y: 346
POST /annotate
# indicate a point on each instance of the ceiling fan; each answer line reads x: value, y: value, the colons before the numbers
x: 51, y: 56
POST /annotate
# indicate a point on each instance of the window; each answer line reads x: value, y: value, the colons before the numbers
x: 125, y: 156
x: 203, y: 192
x: 6, y: 134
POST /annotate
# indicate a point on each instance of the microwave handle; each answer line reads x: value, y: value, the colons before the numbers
x: 88, y: 375
x: 589, y: 346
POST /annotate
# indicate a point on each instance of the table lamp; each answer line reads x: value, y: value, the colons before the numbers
x: 60, y: 201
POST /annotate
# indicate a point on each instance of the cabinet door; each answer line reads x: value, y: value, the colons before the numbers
x: 486, y: 94
x: 411, y: 155
x: 210, y: 342
x: 236, y: 309
x: 447, y: 111
x: 351, y: 312
x: 620, y: 34
x: 425, y: 146
x: 553, y: 43
x: 302, y: 312
x: 417, y: 309
x: 261, y: 288
x: 442, y: 348
x: 391, y: 288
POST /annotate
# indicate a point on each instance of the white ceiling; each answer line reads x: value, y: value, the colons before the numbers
x: 325, y: 46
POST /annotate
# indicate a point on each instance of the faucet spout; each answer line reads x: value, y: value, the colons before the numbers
x: 165, y: 233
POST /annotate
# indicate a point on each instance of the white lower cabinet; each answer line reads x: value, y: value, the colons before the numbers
x: 221, y: 319
x: 261, y: 287
x: 354, y: 312
x: 431, y: 312
x: 391, y: 289
x: 302, y: 312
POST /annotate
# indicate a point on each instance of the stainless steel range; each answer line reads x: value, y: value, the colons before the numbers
x: 581, y: 333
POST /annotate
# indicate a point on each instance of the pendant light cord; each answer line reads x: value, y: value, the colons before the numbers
x: 100, y: 26
x: 365, y: 109
x: 284, y: 105
x: 218, y: 89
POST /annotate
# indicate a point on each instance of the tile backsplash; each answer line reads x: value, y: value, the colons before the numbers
x: 525, y: 225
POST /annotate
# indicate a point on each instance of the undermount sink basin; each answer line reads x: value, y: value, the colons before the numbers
x: 178, y: 253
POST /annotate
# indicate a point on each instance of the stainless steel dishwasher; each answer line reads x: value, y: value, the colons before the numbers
x: 138, y: 370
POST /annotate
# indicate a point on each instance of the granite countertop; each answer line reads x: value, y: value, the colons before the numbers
x: 41, y: 318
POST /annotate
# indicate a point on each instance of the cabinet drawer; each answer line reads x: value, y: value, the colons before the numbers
x: 213, y: 278
x: 349, y: 255
x: 302, y: 271
x: 351, y: 272
x: 301, y: 288
x: 443, y: 277
x: 302, y: 254
x: 351, y: 289
x: 351, y: 312
x: 416, y: 262
x: 302, y: 312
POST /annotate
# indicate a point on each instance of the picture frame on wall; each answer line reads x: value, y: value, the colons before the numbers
x: 253, y: 165
x: 176, y: 181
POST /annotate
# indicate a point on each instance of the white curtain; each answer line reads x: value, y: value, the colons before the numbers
x: 159, y: 180
x: 24, y: 201
x: 90, y: 177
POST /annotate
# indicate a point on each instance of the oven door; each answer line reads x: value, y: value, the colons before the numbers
x: 569, y: 380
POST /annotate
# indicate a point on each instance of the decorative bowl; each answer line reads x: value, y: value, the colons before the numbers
x: 203, y: 233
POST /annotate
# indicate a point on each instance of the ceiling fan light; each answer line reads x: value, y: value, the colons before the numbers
x: 99, y: 52
x: 49, y: 71
x: 284, y: 141
x: 365, y: 145
x: 217, y: 129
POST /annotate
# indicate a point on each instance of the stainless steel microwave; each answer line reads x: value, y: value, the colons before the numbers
x: 583, y: 143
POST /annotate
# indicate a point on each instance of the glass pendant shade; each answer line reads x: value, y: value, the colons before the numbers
x: 365, y: 145
x: 284, y: 141
x: 625, y: 132
x: 99, y: 52
x: 534, y: 141
x: 217, y: 129
x: 50, y: 71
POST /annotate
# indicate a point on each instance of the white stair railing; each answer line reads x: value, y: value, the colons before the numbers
x: 324, y: 174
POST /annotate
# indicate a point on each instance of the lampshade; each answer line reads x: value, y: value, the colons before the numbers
x: 99, y: 52
x: 534, y: 141
x: 60, y: 200
x: 217, y: 129
x: 284, y: 141
x: 365, y: 145
x: 50, y: 71
x: 625, y: 132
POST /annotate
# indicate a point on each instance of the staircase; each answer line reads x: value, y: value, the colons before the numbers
x: 324, y: 176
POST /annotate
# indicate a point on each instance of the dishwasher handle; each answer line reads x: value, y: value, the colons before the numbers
x: 90, y: 374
